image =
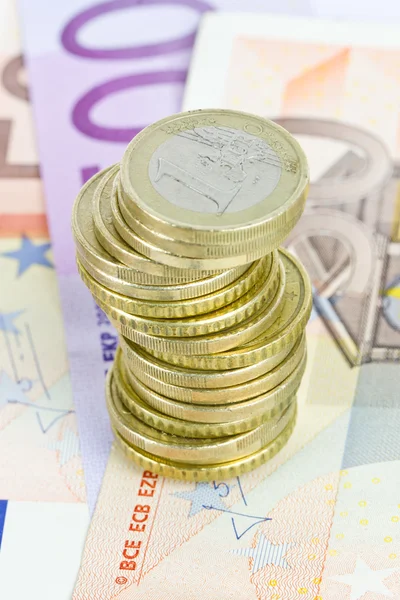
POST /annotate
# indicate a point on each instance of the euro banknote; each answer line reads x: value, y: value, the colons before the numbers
x: 42, y: 489
x: 97, y: 70
x: 320, y: 521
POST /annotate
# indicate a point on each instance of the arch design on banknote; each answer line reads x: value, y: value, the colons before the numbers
x: 349, y: 240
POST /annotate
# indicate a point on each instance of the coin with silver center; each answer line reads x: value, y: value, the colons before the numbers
x: 215, y: 176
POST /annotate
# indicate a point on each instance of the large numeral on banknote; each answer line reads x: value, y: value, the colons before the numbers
x: 69, y: 37
x: 12, y: 87
x: 81, y: 111
x: 348, y: 238
x: 70, y: 41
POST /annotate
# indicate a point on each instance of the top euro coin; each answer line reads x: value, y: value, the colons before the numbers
x: 217, y: 177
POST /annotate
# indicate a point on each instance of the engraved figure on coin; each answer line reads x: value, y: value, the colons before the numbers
x: 211, y: 167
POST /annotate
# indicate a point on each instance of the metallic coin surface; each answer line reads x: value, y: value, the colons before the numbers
x: 171, y: 378
x: 215, y: 176
x: 175, y: 426
x: 167, y: 397
x: 178, y: 351
x: 220, y: 423
x: 112, y: 242
x: 145, y: 331
x: 237, y: 253
x: 243, y: 415
x: 228, y: 338
x: 180, y: 261
x: 161, y: 292
x: 89, y: 246
x: 294, y: 313
x: 184, y: 308
x: 205, y: 472
x: 179, y: 246
x: 191, y: 450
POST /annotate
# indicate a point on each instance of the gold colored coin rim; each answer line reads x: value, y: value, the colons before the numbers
x: 190, y: 428
x: 206, y: 472
x: 178, y: 292
x: 177, y: 309
x: 225, y: 340
x: 157, y: 333
x: 177, y: 395
x: 252, y: 351
x: 257, y: 246
x: 237, y: 335
x: 122, y: 252
x: 119, y: 271
x: 202, y: 323
x: 175, y: 426
x: 138, y: 359
x: 105, y: 261
x: 197, y: 451
x: 166, y: 257
x: 221, y: 419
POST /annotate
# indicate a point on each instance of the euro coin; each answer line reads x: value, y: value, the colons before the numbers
x: 150, y: 370
x: 112, y: 242
x: 162, y: 291
x: 231, y: 418
x: 192, y: 450
x: 144, y: 331
x: 170, y: 399
x: 184, y: 308
x: 215, y: 177
x: 293, y: 316
x: 212, y: 472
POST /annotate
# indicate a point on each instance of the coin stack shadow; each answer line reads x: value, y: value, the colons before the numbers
x: 211, y: 321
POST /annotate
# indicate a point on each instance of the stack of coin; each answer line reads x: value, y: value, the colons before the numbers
x: 179, y: 245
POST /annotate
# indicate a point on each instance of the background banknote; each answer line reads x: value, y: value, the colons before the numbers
x: 42, y: 490
x: 359, y: 10
x: 325, y: 524
x: 341, y: 100
x: 98, y: 71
